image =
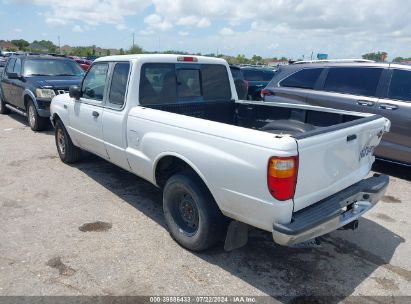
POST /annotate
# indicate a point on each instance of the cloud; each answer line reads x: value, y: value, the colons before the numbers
x: 121, y: 27
x: 17, y: 30
x: 181, y: 33
x: 194, y: 21
x: 78, y: 29
x: 203, y: 22
x: 226, y: 31
x: 91, y: 12
x: 273, y: 46
x: 156, y: 22
x: 342, y: 28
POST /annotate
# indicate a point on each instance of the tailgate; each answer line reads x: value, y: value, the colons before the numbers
x: 334, y: 158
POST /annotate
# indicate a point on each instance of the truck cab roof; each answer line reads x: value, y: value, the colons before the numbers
x: 163, y: 58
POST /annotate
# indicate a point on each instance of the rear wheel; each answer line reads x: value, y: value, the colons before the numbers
x: 67, y: 151
x: 36, y: 122
x: 191, y: 214
x: 3, y: 109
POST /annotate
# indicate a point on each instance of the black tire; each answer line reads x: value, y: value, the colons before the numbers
x: 36, y: 122
x: 187, y: 187
x: 67, y: 151
x: 3, y: 109
x: 292, y: 127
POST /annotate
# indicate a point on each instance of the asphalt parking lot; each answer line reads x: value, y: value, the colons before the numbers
x: 94, y: 229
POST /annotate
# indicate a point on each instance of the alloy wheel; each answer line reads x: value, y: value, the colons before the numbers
x: 32, y: 116
x: 61, y: 143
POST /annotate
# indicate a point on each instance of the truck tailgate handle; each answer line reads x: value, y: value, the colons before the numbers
x: 95, y: 114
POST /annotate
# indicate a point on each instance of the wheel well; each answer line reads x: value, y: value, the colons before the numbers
x: 55, y: 118
x: 27, y: 98
x: 168, y: 166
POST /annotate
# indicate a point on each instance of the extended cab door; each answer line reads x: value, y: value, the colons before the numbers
x: 114, y: 116
x: 86, y: 113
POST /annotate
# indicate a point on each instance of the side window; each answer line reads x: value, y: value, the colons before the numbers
x: 400, y: 87
x: 95, y: 82
x: 10, y: 65
x: 304, y: 79
x: 17, y: 66
x: 356, y: 81
x: 119, y: 84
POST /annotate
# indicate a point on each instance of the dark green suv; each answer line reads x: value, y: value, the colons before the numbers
x: 29, y: 83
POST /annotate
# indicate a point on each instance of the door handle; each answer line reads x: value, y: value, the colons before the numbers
x: 387, y: 106
x: 95, y: 114
x: 367, y: 103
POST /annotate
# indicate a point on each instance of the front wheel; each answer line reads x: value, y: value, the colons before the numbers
x: 36, y: 122
x: 192, y: 216
x: 67, y: 151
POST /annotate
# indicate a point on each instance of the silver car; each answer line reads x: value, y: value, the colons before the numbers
x: 378, y: 88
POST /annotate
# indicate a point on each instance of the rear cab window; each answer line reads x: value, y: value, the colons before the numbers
x: 169, y: 83
x: 303, y: 79
x: 361, y: 81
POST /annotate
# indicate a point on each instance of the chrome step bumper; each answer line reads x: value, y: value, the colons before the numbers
x: 333, y: 212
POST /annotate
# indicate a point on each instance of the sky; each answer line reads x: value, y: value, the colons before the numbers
x: 269, y: 28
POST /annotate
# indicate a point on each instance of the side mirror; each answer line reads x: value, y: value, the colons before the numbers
x: 75, y: 92
x: 12, y: 75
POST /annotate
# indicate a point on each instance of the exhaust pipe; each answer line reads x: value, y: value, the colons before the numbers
x: 350, y: 226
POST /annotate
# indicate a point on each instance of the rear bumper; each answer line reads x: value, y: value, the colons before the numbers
x: 333, y: 212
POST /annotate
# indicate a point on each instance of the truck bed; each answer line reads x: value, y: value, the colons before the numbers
x: 257, y: 115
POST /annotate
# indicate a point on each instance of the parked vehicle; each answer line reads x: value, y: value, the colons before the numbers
x: 29, y: 82
x: 84, y: 63
x: 7, y: 53
x: 241, y: 85
x: 378, y: 88
x: 257, y: 78
x: 176, y: 121
x: 3, y: 61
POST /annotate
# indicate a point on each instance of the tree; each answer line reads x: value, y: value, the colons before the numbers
x: 135, y: 50
x: 241, y: 59
x: 43, y: 46
x: 376, y: 56
x: 21, y: 44
x: 108, y: 52
x: 256, y: 59
x: 397, y: 59
x: 121, y: 51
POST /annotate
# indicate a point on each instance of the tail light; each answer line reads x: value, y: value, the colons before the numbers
x: 282, y: 177
x: 187, y: 59
x: 266, y: 92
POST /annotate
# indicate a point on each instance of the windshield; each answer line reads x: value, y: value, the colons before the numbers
x: 51, y: 67
x: 257, y: 74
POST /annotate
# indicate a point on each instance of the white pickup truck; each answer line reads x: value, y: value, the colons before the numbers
x: 296, y: 171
